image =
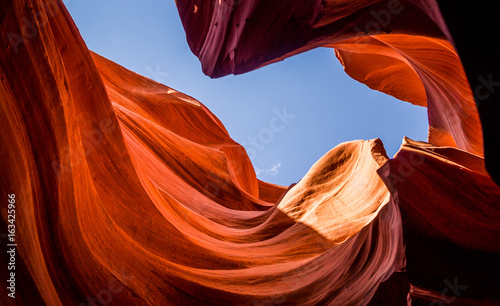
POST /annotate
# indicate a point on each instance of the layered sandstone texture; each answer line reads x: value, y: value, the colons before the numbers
x: 132, y: 193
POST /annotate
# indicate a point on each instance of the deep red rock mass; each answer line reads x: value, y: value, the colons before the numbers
x: 129, y: 192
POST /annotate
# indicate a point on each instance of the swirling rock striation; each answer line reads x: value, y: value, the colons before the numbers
x: 134, y: 193
x: 400, y: 47
x: 130, y: 192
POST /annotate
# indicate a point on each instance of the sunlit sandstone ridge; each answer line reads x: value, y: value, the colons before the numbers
x: 133, y: 193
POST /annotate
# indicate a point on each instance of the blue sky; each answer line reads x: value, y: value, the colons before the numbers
x: 324, y: 106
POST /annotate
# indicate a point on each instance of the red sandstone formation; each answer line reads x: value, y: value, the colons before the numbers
x: 131, y: 192
x: 400, y: 47
x: 451, y: 228
x: 395, y: 64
